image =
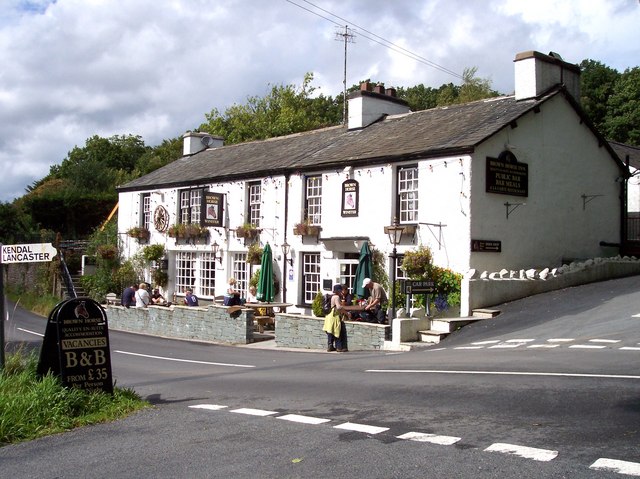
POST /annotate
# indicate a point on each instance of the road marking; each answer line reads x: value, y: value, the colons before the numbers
x: 560, y: 340
x: 486, y: 342
x: 630, y: 348
x: 431, y: 438
x: 254, y: 412
x: 623, y: 467
x: 586, y: 346
x: 523, y: 451
x: 469, y: 347
x: 30, y: 332
x: 303, y: 419
x: 186, y: 360
x: 503, y: 373
x: 519, y: 340
x: 604, y: 340
x: 210, y: 407
x: 505, y: 346
x: 436, y: 349
x: 548, y: 346
x: 352, y: 426
x: 636, y: 316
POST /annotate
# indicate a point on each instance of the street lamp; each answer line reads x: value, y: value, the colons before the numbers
x: 286, y: 248
x: 215, y: 247
x: 395, y: 235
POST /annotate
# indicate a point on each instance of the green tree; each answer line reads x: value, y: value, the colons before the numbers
x: 474, y: 88
x: 596, y: 86
x: 158, y: 156
x: 284, y: 110
x: 622, y: 122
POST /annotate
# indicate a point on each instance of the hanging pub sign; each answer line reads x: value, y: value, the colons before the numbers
x: 212, y: 210
x: 76, y: 346
x: 507, y: 176
x: 350, y: 198
x: 486, y: 246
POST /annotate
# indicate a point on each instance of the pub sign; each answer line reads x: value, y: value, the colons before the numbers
x: 212, y: 209
x: 507, y: 176
x: 350, y: 198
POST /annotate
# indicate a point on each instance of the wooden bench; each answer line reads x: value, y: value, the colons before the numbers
x: 262, y: 321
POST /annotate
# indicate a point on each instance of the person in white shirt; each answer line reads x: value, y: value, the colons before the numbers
x: 142, y: 296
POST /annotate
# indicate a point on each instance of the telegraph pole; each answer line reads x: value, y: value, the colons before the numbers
x: 347, y: 37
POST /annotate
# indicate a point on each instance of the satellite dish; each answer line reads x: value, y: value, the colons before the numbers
x: 207, y: 141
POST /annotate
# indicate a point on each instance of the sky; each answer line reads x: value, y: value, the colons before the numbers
x: 72, y: 69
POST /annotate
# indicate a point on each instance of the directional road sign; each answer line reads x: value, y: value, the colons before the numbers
x: 28, y: 253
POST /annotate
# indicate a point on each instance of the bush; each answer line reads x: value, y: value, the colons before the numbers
x: 316, y: 306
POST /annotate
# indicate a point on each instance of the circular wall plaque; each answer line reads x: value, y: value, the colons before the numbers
x: 161, y: 219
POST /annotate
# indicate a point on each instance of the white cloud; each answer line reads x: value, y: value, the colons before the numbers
x: 76, y: 68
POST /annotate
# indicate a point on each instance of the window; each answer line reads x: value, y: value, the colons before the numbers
x: 207, y: 274
x: 408, y: 194
x: 146, y: 211
x: 185, y: 271
x: 313, y: 199
x: 190, y: 201
x: 311, y: 276
x: 348, y: 267
x: 239, y: 272
x: 255, y: 198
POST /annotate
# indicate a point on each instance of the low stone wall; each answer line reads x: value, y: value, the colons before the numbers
x: 305, y: 332
x: 212, y: 323
x: 488, y: 289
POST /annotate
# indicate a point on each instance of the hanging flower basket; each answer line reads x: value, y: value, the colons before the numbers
x: 254, y: 255
x: 247, y: 231
x: 187, y: 231
x: 107, y: 251
x: 305, y: 229
x: 139, y: 233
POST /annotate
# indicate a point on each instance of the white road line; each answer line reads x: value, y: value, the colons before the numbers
x: 636, y: 316
x: 303, y: 419
x: 547, y: 346
x: 503, y: 373
x: 560, y: 340
x: 254, y: 412
x: 210, y: 407
x: 630, y: 348
x: 505, y: 346
x: 431, y: 438
x: 352, y: 426
x: 436, y: 349
x: 623, y: 467
x: 519, y: 340
x: 30, y: 332
x: 523, y: 451
x: 586, y: 346
x: 486, y: 342
x: 609, y: 341
x: 186, y: 360
x: 469, y: 347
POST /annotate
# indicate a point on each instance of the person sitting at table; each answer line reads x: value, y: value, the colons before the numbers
x: 373, y: 311
x: 251, y: 297
x: 232, y: 297
x: 190, y: 299
x: 157, y: 298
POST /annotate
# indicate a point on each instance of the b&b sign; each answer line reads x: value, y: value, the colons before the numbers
x: 28, y: 253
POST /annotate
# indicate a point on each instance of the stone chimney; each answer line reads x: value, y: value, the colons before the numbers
x: 536, y: 73
x: 195, y: 141
x: 367, y: 106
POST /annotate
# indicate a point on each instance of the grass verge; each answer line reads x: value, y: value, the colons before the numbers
x: 32, y: 407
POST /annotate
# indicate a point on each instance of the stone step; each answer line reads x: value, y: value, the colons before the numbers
x: 485, y: 313
x: 449, y: 325
x: 431, y: 336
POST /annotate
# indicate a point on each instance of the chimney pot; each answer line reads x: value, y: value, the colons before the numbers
x: 391, y: 92
x: 365, y: 86
x: 379, y: 88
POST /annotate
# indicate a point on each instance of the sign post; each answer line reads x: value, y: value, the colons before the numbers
x: 420, y: 286
x: 19, y: 253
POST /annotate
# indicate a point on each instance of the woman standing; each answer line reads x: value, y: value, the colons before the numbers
x: 334, y: 325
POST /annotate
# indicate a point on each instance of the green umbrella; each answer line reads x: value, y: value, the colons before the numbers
x: 265, y: 283
x: 364, y: 270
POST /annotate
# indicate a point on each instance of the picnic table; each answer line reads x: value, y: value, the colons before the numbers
x: 269, y: 316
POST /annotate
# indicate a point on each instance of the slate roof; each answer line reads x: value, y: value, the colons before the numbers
x: 451, y: 130
x: 624, y: 150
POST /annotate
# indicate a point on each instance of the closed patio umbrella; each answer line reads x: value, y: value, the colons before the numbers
x: 364, y: 270
x: 265, y: 282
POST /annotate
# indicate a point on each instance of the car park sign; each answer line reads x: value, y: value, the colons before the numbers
x: 28, y: 253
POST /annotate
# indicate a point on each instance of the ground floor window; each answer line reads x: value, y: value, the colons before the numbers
x: 239, y: 270
x: 185, y: 271
x: 207, y: 274
x: 348, y: 274
x: 310, y: 276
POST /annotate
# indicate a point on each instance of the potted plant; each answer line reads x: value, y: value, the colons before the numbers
x: 139, y: 233
x: 305, y: 228
x: 159, y: 277
x: 107, y: 251
x: 254, y: 254
x: 153, y: 252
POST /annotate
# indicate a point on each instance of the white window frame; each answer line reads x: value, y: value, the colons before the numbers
x: 207, y: 274
x: 145, y: 201
x: 240, y: 271
x: 313, y: 199
x: 189, y: 203
x: 408, y: 194
x: 310, y: 276
x: 185, y: 271
x: 254, y: 193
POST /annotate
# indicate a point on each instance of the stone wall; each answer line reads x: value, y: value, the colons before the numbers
x: 489, y: 289
x: 212, y: 324
x: 305, y: 332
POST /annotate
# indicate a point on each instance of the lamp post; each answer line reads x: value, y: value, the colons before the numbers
x: 286, y: 248
x: 395, y: 235
x: 215, y: 247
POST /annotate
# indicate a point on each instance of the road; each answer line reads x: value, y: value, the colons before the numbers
x: 550, y: 388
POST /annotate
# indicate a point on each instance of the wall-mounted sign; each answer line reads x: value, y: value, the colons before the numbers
x: 486, y: 246
x: 506, y: 176
x: 212, y: 209
x: 350, y: 198
x: 76, y: 345
x: 28, y: 253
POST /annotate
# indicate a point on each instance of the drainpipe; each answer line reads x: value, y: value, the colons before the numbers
x: 623, y: 191
x: 286, y: 218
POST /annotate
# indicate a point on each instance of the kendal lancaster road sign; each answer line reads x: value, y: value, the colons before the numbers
x: 28, y: 253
